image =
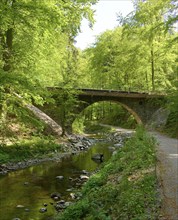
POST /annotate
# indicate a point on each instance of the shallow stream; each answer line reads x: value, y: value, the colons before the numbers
x: 24, y: 192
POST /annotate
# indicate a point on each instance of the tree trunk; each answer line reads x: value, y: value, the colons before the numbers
x: 7, y: 53
x: 152, y: 70
x: 147, y: 82
x: 7, y: 43
x: 63, y: 123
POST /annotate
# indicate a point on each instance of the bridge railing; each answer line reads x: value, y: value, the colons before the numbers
x: 155, y: 93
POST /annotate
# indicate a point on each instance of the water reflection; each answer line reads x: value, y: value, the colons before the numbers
x: 32, y: 187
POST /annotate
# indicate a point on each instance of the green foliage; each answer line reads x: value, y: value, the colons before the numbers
x: 4, y: 157
x: 67, y: 100
x: 18, y: 122
x: 172, y: 122
x: 78, y: 126
x: 94, y: 127
x: 36, y: 40
x: 140, y: 55
x: 124, y: 188
x: 78, y: 211
x: 84, y: 70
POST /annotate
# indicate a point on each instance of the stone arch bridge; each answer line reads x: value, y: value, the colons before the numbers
x: 141, y: 105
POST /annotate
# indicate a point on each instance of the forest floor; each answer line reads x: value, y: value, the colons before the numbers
x: 167, y: 171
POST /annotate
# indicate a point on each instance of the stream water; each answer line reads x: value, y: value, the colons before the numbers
x: 24, y: 192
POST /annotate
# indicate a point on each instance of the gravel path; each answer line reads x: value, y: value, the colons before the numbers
x: 167, y: 154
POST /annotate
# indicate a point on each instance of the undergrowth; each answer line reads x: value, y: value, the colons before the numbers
x: 125, y: 188
x: 20, y: 140
x: 26, y: 149
x: 94, y: 127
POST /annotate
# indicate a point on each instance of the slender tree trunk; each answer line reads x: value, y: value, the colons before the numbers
x: 7, y: 53
x: 7, y: 43
x: 126, y: 80
x: 103, y: 110
x: 91, y: 113
x: 152, y: 70
x: 147, y: 83
x: 63, y: 123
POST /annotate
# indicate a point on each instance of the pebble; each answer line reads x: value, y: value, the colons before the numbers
x: 60, y: 206
x: 26, y: 183
x: 67, y: 204
x: 117, y: 145
x: 42, y: 210
x: 68, y: 190
x: 84, y: 172
x: 83, y: 177
x: 20, y: 206
x: 61, y: 202
x: 55, y: 195
x: 56, y: 198
x: 59, y: 177
x: 73, y: 196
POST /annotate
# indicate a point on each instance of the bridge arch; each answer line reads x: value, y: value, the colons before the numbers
x: 132, y: 112
x: 124, y: 106
x: 141, y: 105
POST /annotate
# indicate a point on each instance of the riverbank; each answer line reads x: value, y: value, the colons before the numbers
x: 125, y: 188
x: 22, y: 155
x: 29, y: 153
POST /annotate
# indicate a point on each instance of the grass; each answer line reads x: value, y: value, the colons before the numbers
x: 20, y: 141
x: 125, y: 187
x: 28, y: 148
x: 94, y: 127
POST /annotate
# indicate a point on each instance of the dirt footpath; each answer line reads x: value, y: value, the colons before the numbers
x: 167, y: 155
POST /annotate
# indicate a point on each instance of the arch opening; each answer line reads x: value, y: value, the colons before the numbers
x: 105, y: 112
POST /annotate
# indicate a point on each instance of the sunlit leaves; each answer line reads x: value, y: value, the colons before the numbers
x: 136, y: 56
x: 38, y: 52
